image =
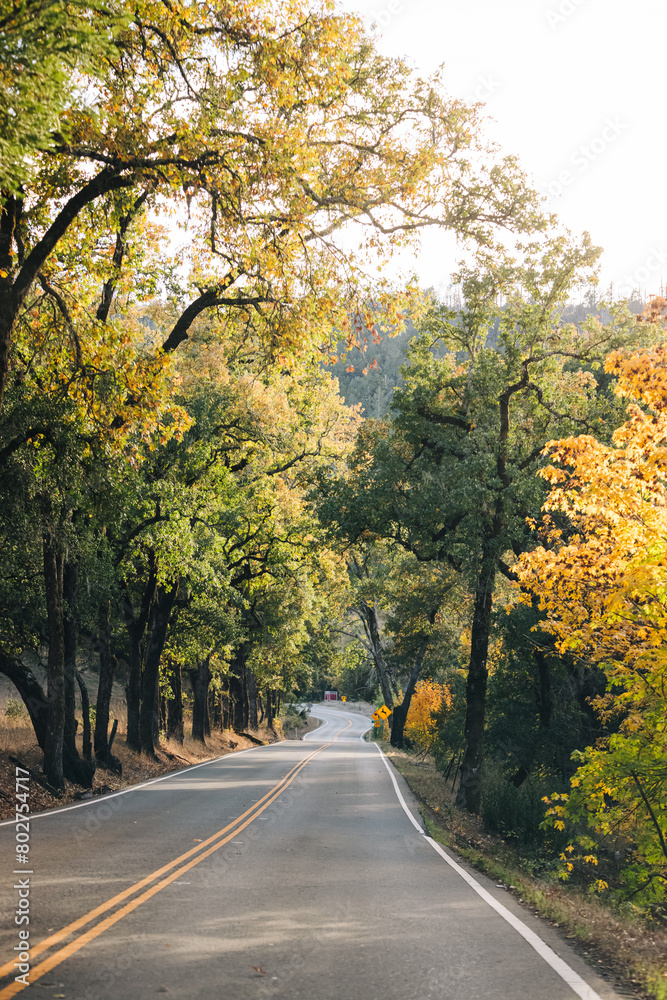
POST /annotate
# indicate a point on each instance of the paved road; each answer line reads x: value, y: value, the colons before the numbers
x: 293, y: 871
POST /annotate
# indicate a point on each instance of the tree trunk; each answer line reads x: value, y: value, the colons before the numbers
x: 133, y: 698
x: 368, y: 614
x: 10, y: 214
x: 74, y: 769
x: 237, y: 689
x: 251, y: 688
x: 104, y: 688
x: 162, y: 608
x: 156, y: 711
x: 85, y: 714
x: 175, y: 706
x: 31, y: 692
x: 269, y: 708
x: 200, y: 678
x: 70, y: 572
x: 261, y: 707
x: 236, y: 698
x: 215, y: 709
x: 469, y: 795
x: 207, y: 716
x: 136, y: 628
x: 244, y: 702
x: 401, y: 711
x: 55, y: 670
x: 545, y: 700
x: 225, y: 703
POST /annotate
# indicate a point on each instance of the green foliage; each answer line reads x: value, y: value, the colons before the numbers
x: 617, y: 805
x: 450, y: 721
x: 45, y: 48
x: 15, y: 709
x: 517, y: 813
x: 539, y: 702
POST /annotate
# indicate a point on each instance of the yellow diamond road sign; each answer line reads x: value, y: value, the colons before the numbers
x: 375, y: 716
x: 384, y: 712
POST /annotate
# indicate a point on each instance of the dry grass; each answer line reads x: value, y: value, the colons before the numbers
x: 636, y: 954
x: 18, y: 740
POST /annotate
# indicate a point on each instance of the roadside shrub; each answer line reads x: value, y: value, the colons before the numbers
x: 292, y: 718
x: 421, y: 726
x: 15, y: 709
x: 518, y: 813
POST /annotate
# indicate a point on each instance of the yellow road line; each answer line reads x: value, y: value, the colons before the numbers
x: 35, y: 973
x: 349, y: 723
x: 103, y: 907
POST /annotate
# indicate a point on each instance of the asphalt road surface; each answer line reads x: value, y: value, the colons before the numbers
x: 299, y: 871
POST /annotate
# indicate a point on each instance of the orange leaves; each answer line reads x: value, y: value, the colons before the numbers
x: 427, y: 700
x: 642, y: 375
x: 603, y: 589
x: 655, y: 311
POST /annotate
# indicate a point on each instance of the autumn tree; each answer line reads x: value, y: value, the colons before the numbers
x: 599, y: 579
x: 270, y: 132
x: 262, y: 135
x: 421, y: 726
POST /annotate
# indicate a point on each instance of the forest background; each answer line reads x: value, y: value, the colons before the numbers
x: 239, y: 467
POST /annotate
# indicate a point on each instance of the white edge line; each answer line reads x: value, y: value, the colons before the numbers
x: 560, y: 967
x: 133, y: 788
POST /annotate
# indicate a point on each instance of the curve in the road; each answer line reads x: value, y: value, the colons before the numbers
x: 331, y: 727
x: 331, y: 718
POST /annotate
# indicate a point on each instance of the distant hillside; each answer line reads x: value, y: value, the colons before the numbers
x: 374, y: 390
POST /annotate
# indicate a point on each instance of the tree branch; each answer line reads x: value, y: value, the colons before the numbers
x: 105, y: 182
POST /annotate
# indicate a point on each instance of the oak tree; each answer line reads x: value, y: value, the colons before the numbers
x: 264, y: 133
x: 450, y: 475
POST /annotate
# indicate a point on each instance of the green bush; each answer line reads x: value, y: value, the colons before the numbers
x: 518, y: 813
x: 292, y: 717
x: 15, y: 709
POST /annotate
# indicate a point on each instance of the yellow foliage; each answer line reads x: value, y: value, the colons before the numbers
x: 428, y: 698
x: 603, y: 593
x: 604, y: 590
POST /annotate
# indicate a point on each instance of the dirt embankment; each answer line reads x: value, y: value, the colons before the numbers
x: 17, y: 742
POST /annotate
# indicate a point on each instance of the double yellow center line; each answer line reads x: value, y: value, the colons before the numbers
x: 170, y: 871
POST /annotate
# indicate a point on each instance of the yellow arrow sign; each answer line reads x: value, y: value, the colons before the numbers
x: 384, y: 712
x: 376, y: 716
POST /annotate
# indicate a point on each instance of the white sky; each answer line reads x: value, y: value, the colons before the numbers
x: 577, y: 89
